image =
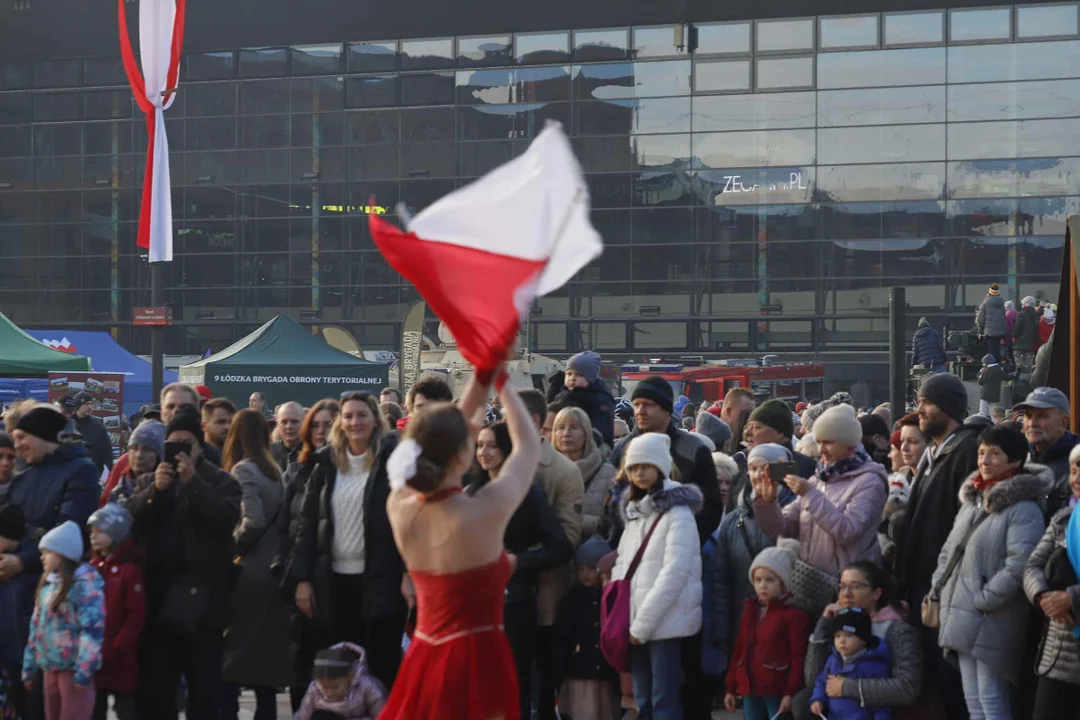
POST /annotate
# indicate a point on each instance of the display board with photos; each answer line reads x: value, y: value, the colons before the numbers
x: 107, y: 390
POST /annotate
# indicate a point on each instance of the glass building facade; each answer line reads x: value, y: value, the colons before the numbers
x: 760, y: 184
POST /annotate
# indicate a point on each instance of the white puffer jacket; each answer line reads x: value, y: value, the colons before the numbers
x: 665, y: 598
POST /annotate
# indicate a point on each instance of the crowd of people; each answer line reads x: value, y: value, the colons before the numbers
x: 813, y: 559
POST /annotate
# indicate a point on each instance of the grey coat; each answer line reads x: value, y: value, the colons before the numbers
x: 990, y: 317
x: 983, y: 609
x: 258, y: 641
x: 599, y: 478
x: 731, y: 569
x: 1059, y: 652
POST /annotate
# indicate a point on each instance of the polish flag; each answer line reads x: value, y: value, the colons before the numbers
x: 480, y: 255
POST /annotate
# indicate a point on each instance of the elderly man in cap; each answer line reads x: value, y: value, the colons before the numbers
x: 935, y: 500
x: 146, y: 449
x: 1046, y: 427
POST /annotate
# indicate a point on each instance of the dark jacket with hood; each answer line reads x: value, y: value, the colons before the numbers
x: 927, y: 349
x: 187, y: 534
x: 990, y: 378
x: 1026, y: 330
x: 931, y: 511
x: 383, y: 566
x: 872, y: 664
x: 97, y: 441
x: 694, y: 461
x: 296, y: 480
x: 598, y: 403
x: 1056, y: 459
x: 283, y: 456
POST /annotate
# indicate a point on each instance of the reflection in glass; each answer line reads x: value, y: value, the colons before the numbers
x: 508, y: 122
x: 903, y: 143
x: 425, y: 54
x: 431, y: 88
x: 721, y: 75
x: 373, y: 56
x: 210, y: 66
x: 599, y: 45
x: 662, y: 188
x: 317, y: 60
x: 1010, y: 178
x: 366, y: 92
x: 1014, y: 61
x: 877, y: 68
x: 259, y: 97
x: 603, y: 154
x: 1014, y: 138
x: 880, y: 106
x: 542, y: 47
x: 655, y: 42
x: 16, y: 107
x: 723, y: 38
x: 761, y: 148
x: 628, y: 80
x: 1046, y: 21
x: 985, y: 217
x: 372, y: 127
x: 1015, y: 101
x: 906, y: 181
x: 755, y: 111
x: 780, y: 35
x: 264, y: 62
x: 980, y: 24
x: 849, y: 32
x: 14, y: 77
x: 510, y: 85
x: 873, y: 221
x: 755, y: 186
x: 661, y: 151
x: 49, y: 107
x: 622, y: 117
x: 778, y: 73
x: 58, y: 73
x: 487, y: 50
x: 206, y: 99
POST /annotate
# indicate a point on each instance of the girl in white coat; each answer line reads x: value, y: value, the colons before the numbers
x: 665, y: 597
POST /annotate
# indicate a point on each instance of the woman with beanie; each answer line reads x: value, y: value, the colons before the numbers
x: 979, y: 577
x: 1051, y: 584
x: 665, y: 591
x: 837, y: 512
x: 572, y: 435
x: 767, y: 662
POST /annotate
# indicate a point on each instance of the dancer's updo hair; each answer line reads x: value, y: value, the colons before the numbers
x: 442, y: 431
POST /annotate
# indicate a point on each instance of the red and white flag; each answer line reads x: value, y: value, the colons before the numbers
x: 161, y: 38
x: 480, y: 255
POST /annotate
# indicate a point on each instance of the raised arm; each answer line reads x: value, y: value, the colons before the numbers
x: 506, y: 491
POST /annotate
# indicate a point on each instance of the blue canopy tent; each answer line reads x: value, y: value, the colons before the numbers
x: 107, y: 355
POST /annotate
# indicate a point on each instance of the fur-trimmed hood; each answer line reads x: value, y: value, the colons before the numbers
x: 671, y: 496
x: 1032, y: 483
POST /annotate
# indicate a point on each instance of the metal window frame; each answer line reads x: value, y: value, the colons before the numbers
x: 675, y: 52
x: 1036, y: 38
x: 786, y: 88
x: 840, y: 48
x: 982, y: 41
x: 574, y: 41
x: 812, y: 19
x: 724, y: 59
x: 569, y: 50
x: 749, y: 24
x: 885, y: 44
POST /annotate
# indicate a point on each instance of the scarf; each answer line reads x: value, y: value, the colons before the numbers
x: 983, y: 485
x: 843, y: 466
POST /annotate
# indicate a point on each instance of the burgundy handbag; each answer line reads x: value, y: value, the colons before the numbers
x: 615, y: 612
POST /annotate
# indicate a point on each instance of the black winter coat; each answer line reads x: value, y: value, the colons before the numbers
x: 283, y: 456
x: 578, y: 655
x: 1026, y: 330
x: 931, y: 512
x: 990, y: 379
x: 296, y: 480
x: 598, y: 403
x: 1056, y: 458
x: 694, y: 461
x: 188, y: 531
x: 383, y: 566
x: 97, y: 441
x: 927, y: 349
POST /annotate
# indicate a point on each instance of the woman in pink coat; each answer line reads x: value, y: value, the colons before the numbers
x: 837, y: 512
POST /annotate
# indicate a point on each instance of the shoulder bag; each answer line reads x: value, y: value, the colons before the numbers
x: 615, y: 611
x: 931, y: 604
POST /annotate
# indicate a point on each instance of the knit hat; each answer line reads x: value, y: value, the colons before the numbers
x: 1028, y: 302
x: 658, y: 390
x: 840, y: 425
x: 713, y: 428
x: 770, y: 452
x: 989, y: 359
x: 780, y: 559
x: 776, y: 415
x: 591, y: 551
x: 587, y: 364
x: 64, y: 540
x: 186, y: 418
x: 923, y: 322
x: 814, y: 411
x: 114, y: 521
x: 1010, y: 305
x: 6, y: 441
x: 66, y: 403
x: 874, y: 425
x: 948, y: 393
x: 994, y: 289
x: 151, y: 434
x: 799, y: 407
x: 43, y: 422
x: 12, y: 522
x: 83, y: 398
x: 855, y: 621
x: 650, y: 449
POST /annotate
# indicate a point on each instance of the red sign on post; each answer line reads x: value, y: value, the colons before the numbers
x: 150, y: 316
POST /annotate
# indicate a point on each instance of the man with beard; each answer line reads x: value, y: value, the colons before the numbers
x: 1046, y: 427
x: 217, y: 415
x: 935, y: 500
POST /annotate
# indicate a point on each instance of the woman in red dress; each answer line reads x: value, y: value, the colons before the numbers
x: 459, y: 664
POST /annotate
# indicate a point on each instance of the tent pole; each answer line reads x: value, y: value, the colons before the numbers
x: 157, y: 332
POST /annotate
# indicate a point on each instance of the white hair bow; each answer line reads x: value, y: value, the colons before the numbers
x: 401, y: 467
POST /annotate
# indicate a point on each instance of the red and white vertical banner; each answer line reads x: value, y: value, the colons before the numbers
x: 161, y: 40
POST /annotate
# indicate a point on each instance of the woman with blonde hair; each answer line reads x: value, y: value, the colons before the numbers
x: 349, y: 575
x: 572, y: 435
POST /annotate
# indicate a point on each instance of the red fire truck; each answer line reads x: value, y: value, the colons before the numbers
x: 712, y: 381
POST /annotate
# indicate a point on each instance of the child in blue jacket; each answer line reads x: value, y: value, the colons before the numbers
x: 858, y: 655
x: 584, y: 388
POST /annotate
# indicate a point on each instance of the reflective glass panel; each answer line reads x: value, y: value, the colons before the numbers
x: 264, y: 62
x: 210, y: 66
x: 366, y: 92
x: 914, y: 28
x: 317, y: 60
x: 877, y: 68
x: 908, y: 181
x: 654, y: 152
x: 1046, y: 21
x: 259, y: 97
x: 621, y: 117
x: 778, y: 73
x: 487, y: 50
x: 16, y: 107
x: 756, y: 111
x: 1014, y: 61
x: 759, y: 148
x: 879, y: 106
x: 58, y: 73
x: 431, y: 88
x: 756, y: 186
x: 903, y: 143
x: 508, y: 122
x: 104, y: 71
x: 599, y: 45
x: 723, y: 38
x: 781, y: 35
x: 1015, y: 101
x: 870, y: 221
x: 205, y: 99
x: 373, y: 56
x: 14, y: 77
x: 655, y: 42
x: 721, y: 75
x: 50, y: 107
x: 542, y: 47
x: 628, y: 80
x: 1020, y: 138
x: 1010, y: 178
x: 424, y: 54
x: 980, y: 24
x: 849, y: 32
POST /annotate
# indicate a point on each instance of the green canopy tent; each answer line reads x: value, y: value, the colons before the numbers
x: 284, y: 362
x: 21, y: 356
